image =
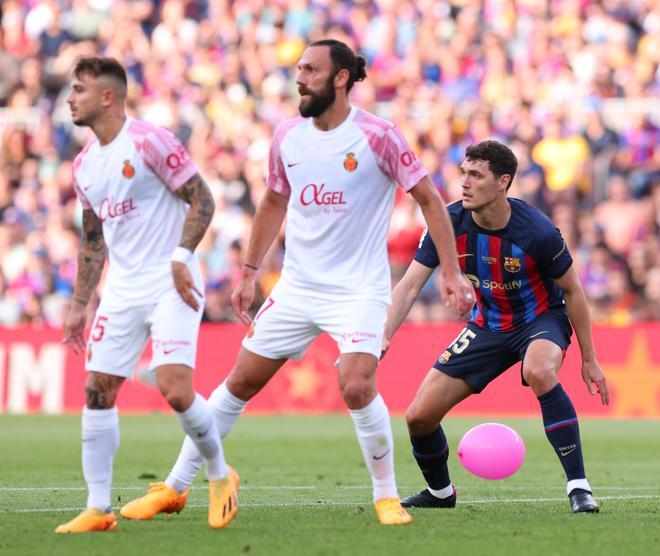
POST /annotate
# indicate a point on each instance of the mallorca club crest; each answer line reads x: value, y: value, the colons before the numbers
x: 512, y: 264
x: 350, y: 162
x: 128, y: 171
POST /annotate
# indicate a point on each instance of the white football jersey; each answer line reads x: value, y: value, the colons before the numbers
x: 341, y: 184
x: 130, y: 184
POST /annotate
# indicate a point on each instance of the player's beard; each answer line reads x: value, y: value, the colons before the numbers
x: 80, y: 122
x: 318, y: 102
x: 85, y: 119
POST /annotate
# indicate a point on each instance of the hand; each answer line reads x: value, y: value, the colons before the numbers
x: 74, y: 327
x: 243, y: 296
x: 384, y: 346
x: 594, y: 378
x: 457, y: 292
x: 184, y: 284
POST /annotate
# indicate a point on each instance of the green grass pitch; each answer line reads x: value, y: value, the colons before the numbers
x: 305, y: 490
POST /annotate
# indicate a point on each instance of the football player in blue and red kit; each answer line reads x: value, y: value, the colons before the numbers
x: 527, y: 297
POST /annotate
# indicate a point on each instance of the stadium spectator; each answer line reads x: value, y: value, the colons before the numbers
x: 220, y: 73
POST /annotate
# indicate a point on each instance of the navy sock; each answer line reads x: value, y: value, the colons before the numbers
x: 561, y: 427
x: 431, y: 452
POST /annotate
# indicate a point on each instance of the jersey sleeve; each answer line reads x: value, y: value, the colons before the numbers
x: 397, y: 160
x: 426, y: 252
x: 277, y: 179
x: 556, y: 257
x: 168, y: 158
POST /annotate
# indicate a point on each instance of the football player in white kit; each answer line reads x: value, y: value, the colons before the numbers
x: 333, y: 173
x: 145, y: 204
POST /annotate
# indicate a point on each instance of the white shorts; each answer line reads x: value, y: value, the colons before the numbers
x: 287, y: 323
x: 118, y: 336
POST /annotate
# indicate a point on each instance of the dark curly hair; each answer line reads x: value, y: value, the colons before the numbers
x: 500, y: 158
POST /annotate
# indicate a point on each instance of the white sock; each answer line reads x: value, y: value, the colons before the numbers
x: 577, y: 483
x: 225, y: 408
x: 186, y: 467
x: 100, y: 440
x: 201, y: 429
x: 443, y: 492
x: 374, y: 433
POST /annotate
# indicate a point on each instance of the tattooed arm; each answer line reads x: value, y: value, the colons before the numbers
x: 197, y: 194
x: 91, y: 258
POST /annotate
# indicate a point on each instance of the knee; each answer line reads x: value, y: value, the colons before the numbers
x: 419, y: 423
x: 541, y: 378
x: 101, y: 390
x: 358, y: 392
x: 178, y: 394
x: 239, y: 384
x: 178, y: 399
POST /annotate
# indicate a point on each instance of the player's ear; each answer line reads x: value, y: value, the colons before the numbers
x: 503, y: 181
x: 108, y: 96
x: 341, y: 78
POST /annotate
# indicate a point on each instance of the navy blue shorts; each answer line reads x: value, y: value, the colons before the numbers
x: 478, y: 355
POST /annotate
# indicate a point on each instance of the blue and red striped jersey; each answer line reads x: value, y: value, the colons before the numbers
x: 511, y: 269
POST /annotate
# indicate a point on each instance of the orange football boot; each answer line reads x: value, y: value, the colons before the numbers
x: 223, y: 500
x: 89, y: 521
x: 159, y: 498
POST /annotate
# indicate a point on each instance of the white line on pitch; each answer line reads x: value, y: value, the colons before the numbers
x: 313, y: 487
x: 355, y: 503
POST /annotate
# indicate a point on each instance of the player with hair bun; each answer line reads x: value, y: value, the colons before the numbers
x: 333, y: 174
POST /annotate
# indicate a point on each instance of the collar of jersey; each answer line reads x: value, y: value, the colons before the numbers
x: 105, y: 148
x: 335, y: 130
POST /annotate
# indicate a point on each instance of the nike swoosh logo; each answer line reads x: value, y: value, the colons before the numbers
x: 564, y: 454
x: 86, y: 188
x: 539, y: 333
x: 168, y: 351
x: 356, y: 341
x: 381, y: 457
x: 465, y: 255
x: 200, y: 434
x: 292, y: 164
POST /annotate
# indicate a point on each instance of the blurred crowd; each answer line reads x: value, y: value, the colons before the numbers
x: 571, y: 85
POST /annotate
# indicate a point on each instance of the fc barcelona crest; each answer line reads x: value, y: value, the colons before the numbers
x: 350, y: 162
x: 512, y: 264
x: 444, y: 357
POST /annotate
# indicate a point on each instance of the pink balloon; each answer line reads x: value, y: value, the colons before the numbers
x: 491, y: 451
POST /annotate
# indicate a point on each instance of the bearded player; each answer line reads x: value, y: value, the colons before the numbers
x: 333, y: 174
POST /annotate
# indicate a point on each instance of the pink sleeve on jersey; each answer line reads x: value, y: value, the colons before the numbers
x: 395, y: 157
x: 163, y: 153
x: 77, y: 162
x: 277, y: 179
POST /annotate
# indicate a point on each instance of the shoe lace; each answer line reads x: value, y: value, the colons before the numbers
x: 155, y: 487
x: 391, y: 505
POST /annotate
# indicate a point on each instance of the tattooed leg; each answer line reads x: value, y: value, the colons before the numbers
x: 101, y: 390
x: 100, y: 437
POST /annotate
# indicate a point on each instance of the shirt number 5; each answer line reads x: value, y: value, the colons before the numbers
x: 462, y: 341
